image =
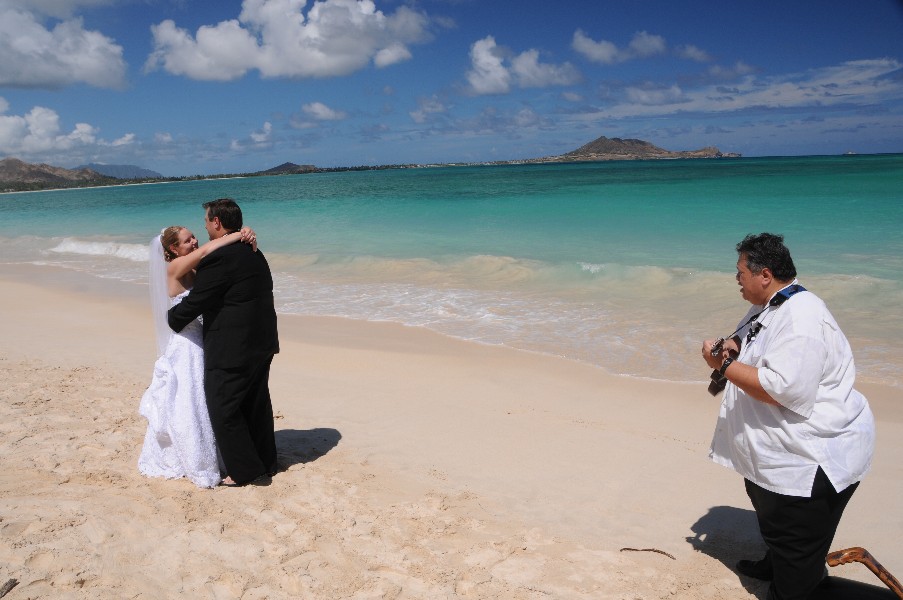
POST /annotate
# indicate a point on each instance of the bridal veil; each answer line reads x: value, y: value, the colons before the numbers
x: 159, y: 293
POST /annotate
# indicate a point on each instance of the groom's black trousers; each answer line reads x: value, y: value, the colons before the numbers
x: 241, y: 413
x: 798, y: 533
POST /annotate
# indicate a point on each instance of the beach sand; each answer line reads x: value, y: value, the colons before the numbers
x: 412, y: 466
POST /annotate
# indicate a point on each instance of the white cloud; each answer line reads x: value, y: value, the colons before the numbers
x: 163, y: 138
x: 494, y: 120
x: 60, y: 9
x: 335, y: 38
x: 489, y: 73
x: 642, y: 45
x: 264, y: 136
x: 125, y: 140
x: 601, y: 52
x: 39, y: 131
x: 694, y: 53
x: 395, y: 53
x: 296, y: 123
x: 219, y: 53
x: 849, y: 84
x: 427, y: 107
x: 655, y: 96
x: 645, y: 44
x: 527, y: 117
x: 531, y: 73
x: 321, y: 112
x: 36, y: 56
x: 739, y: 68
x: 82, y: 135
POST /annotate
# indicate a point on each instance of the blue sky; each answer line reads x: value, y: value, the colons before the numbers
x: 189, y: 87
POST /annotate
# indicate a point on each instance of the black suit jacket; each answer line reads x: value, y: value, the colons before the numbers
x: 233, y: 290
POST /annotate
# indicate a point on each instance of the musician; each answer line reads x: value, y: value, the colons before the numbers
x: 791, y: 422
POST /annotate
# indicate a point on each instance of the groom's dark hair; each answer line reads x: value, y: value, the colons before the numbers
x: 228, y: 212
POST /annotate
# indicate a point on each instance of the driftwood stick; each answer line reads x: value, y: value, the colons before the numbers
x: 9, y: 585
x: 671, y: 556
x: 857, y: 554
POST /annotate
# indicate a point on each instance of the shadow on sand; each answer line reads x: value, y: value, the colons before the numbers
x: 729, y: 534
x: 838, y: 588
x: 303, y: 446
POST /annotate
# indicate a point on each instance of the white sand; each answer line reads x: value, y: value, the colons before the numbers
x: 415, y: 466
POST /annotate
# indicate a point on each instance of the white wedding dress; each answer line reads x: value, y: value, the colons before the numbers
x: 179, y: 441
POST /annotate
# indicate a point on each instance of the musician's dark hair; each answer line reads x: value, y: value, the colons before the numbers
x: 767, y: 250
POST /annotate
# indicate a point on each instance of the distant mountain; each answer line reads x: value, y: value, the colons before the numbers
x: 604, y: 148
x: 122, y: 171
x: 18, y: 175
x: 289, y: 168
x: 617, y: 146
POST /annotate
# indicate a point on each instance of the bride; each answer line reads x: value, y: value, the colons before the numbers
x: 179, y: 441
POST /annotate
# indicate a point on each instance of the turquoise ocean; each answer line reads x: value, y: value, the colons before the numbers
x: 624, y: 265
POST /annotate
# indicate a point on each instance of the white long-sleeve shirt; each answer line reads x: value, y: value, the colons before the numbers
x: 805, y: 363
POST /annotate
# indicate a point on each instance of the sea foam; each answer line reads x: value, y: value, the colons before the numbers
x: 133, y: 252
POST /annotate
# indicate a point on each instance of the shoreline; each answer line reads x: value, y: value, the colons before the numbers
x: 432, y: 464
x: 685, y: 370
x: 546, y: 160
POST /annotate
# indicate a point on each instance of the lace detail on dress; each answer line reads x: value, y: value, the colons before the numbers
x: 179, y: 441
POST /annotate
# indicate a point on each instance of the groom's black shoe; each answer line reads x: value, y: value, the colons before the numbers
x: 261, y: 481
x: 758, y: 569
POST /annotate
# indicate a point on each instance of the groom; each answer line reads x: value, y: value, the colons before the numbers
x: 233, y: 290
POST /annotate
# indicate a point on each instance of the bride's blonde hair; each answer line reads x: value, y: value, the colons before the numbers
x: 168, y: 237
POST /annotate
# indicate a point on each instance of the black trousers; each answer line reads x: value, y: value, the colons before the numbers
x: 798, y: 533
x: 241, y: 414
